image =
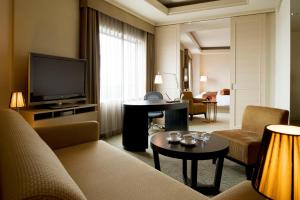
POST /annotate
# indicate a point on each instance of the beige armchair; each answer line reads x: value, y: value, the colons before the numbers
x: 195, y: 105
x: 244, y: 143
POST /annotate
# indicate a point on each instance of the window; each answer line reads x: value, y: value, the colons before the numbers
x: 122, y: 71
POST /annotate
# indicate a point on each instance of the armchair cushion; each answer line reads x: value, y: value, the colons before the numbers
x: 243, y: 145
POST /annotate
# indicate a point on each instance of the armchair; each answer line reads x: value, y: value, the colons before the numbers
x: 244, y: 143
x: 195, y: 105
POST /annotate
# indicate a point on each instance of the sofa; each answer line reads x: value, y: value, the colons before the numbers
x: 69, y: 162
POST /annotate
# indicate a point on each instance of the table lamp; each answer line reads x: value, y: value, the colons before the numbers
x: 17, y: 100
x: 158, y: 79
x: 203, y: 78
x: 277, y: 173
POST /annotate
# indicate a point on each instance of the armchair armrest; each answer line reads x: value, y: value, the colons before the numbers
x: 70, y: 134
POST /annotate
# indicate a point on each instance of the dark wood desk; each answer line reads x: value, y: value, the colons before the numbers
x: 135, y: 121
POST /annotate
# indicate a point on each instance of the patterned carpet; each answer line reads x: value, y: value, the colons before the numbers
x: 232, y: 172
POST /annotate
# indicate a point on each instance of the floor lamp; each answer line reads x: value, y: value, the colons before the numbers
x: 277, y: 173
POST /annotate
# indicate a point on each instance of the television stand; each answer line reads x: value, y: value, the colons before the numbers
x: 62, y: 105
x: 39, y: 117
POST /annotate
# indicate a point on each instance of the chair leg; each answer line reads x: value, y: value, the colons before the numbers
x: 191, y: 117
x: 214, y: 161
x: 205, y: 116
x: 249, y: 171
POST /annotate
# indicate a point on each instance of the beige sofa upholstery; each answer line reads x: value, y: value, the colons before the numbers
x: 80, y: 167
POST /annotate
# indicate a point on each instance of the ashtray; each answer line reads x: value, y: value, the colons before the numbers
x: 202, y: 136
x: 188, y: 142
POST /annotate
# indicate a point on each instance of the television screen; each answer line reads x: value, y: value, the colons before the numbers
x: 55, y: 78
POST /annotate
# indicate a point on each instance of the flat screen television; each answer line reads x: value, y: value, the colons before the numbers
x: 55, y: 80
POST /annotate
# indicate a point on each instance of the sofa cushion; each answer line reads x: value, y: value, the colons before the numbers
x: 104, y: 172
x: 243, y: 190
x: 29, y: 169
x: 243, y: 145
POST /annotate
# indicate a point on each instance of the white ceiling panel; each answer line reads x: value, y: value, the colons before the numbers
x: 213, y: 37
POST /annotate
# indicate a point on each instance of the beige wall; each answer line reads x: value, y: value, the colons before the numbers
x: 167, y: 54
x: 196, y: 62
x: 295, y: 81
x: 283, y: 56
x: 216, y: 66
x: 119, y: 14
x: 5, y: 51
x: 43, y: 26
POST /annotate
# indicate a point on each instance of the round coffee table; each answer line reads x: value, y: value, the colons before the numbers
x: 215, y: 148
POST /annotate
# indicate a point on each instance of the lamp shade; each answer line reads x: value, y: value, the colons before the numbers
x: 17, y: 100
x: 277, y: 173
x: 158, y: 79
x: 203, y: 78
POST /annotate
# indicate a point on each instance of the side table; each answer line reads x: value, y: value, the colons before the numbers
x: 215, y: 148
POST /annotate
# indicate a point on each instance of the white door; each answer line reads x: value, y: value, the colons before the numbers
x: 248, y: 67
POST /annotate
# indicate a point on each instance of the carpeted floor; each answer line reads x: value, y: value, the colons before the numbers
x: 232, y: 172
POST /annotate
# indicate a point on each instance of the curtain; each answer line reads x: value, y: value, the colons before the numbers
x: 123, y: 70
x: 150, y: 62
x: 89, y: 50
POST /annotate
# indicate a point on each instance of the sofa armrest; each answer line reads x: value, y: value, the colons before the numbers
x: 243, y: 190
x: 70, y: 134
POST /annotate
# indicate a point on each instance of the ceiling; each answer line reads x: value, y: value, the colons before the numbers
x: 156, y: 13
x: 176, y: 3
x: 210, y: 34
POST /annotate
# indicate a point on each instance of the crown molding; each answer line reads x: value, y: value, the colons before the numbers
x: 219, y: 16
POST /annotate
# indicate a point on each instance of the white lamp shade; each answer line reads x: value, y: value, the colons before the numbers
x: 17, y: 100
x: 158, y: 79
x: 203, y: 78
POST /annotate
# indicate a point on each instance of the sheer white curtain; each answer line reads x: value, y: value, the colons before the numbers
x: 123, y: 70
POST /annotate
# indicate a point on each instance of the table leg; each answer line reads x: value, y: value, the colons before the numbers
x: 215, y: 112
x: 156, y: 160
x: 194, y: 174
x: 184, y: 171
x: 218, y: 175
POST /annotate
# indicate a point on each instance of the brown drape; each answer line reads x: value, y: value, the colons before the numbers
x: 150, y: 63
x: 90, y: 50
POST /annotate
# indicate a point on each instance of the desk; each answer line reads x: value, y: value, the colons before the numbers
x: 135, y: 121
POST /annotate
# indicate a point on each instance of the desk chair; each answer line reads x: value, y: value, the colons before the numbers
x: 154, y: 114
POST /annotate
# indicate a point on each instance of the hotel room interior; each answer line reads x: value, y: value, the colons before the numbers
x: 149, y: 99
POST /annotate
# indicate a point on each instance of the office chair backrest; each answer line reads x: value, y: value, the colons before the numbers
x: 153, y: 96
